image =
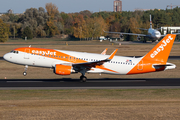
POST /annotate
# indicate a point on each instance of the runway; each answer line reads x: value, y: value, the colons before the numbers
x: 143, y: 83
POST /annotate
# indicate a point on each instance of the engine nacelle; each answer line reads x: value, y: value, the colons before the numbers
x: 121, y: 36
x: 138, y: 38
x: 62, y: 69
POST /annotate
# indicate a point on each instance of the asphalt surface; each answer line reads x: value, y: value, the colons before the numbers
x: 107, y: 83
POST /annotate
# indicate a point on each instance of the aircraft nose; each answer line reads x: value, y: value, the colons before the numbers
x: 158, y: 34
x: 7, y: 57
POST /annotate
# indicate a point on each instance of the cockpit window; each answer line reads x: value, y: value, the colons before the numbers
x: 13, y: 51
x: 157, y: 33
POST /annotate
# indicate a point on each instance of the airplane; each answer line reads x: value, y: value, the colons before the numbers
x: 153, y: 34
x: 67, y: 62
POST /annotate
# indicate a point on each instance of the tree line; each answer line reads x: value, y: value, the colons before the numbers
x: 48, y: 22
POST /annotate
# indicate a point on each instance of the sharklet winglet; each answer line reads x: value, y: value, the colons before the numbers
x: 112, y: 55
x: 104, y: 52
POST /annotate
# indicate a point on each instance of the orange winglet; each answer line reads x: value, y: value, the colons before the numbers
x: 112, y: 55
x: 104, y: 52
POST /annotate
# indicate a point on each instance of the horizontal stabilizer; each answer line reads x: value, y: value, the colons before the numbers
x: 165, y: 66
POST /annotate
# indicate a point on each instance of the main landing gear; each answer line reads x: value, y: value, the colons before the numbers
x: 83, y: 78
x: 25, y: 69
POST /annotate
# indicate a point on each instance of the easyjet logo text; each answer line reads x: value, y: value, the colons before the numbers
x: 161, y: 47
x: 43, y: 52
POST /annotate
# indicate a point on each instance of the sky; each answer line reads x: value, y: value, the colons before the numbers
x: 72, y: 6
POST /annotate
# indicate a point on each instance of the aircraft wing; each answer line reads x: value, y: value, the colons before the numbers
x: 142, y: 28
x: 172, y: 33
x: 176, y: 33
x: 163, y: 35
x: 126, y: 33
x: 95, y: 63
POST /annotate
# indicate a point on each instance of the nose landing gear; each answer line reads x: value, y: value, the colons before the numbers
x: 25, y: 73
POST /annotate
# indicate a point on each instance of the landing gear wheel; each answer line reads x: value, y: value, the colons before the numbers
x: 24, y: 73
x: 83, y: 78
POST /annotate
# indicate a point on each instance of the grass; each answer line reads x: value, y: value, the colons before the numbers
x: 91, y: 94
x: 90, y: 104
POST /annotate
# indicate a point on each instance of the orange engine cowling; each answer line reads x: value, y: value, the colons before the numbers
x: 62, y: 69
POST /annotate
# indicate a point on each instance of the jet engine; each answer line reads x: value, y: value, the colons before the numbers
x: 121, y: 36
x: 138, y: 38
x: 63, y: 69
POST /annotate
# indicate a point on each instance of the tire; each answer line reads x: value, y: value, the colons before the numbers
x: 24, y: 73
x: 83, y: 78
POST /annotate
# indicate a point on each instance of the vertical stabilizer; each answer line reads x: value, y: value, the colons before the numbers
x: 150, y: 22
x: 162, y: 50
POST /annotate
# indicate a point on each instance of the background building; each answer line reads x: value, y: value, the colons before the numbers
x: 166, y: 30
x: 117, y: 5
x: 10, y: 11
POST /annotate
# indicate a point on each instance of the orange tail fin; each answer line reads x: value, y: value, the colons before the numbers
x: 162, y: 50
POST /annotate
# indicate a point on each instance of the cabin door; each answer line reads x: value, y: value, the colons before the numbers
x: 140, y: 65
x: 27, y: 53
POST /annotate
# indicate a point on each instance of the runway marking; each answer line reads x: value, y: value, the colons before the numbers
x: 22, y: 81
x: 119, y: 81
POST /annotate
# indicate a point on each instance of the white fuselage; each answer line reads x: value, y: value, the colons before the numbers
x: 114, y: 66
x: 154, y: 34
